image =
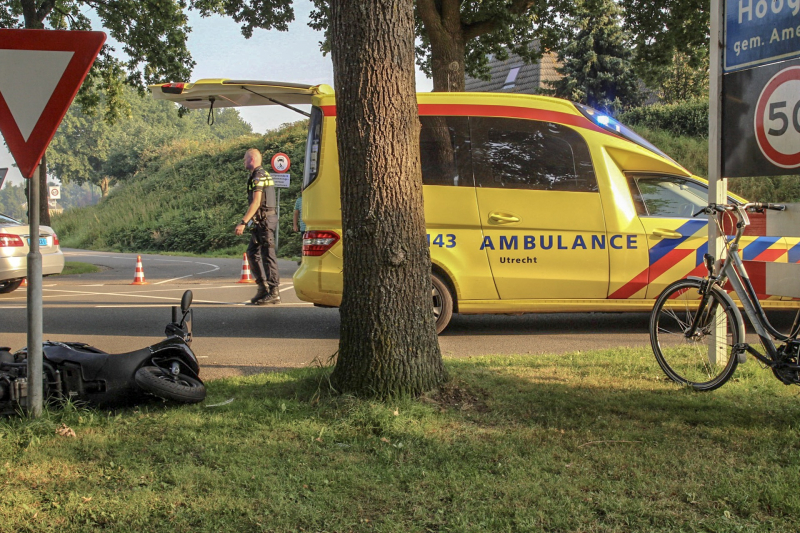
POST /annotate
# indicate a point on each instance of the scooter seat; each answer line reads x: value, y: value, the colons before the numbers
x: 90, y: 359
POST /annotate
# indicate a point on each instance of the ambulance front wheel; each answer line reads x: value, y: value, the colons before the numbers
x: 442, y: 303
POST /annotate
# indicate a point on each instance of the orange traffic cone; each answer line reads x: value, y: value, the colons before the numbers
x: 138, y: 279
x: 246, y: 276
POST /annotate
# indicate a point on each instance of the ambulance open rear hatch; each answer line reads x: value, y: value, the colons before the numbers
x: 217, y: 93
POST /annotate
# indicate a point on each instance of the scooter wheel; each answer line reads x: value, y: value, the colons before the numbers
x: 180, y: 388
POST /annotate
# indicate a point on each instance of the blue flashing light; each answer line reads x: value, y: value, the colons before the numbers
x: 612, y: 125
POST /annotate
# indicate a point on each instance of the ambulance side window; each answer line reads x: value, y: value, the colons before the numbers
x: 658, y: 195
x: 444, y: 151
x: 530, y: 154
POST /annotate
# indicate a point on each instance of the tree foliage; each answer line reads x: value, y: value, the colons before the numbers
x: 455, y: 37
x: 151, y: 35
x: 665, y: 32
x: 596, y: 59
x: 12, y: 201
x: 87, y: 149
x: 680, y: 81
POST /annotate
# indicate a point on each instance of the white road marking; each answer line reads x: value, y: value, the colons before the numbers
x: 132, y: 295
x: 173, y: 279
x: 214, y: 267
x: 237, y: 304
x: 141, y: 291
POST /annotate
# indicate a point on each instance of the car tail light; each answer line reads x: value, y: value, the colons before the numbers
x: 7, y: 240
x: 172, y: 88
x: 55, y: 239
x: 318, y: 242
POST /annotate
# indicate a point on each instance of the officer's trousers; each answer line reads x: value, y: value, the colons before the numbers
x: 261, y: 252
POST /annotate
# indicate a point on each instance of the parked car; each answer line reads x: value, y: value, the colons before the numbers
x: 14, y: 248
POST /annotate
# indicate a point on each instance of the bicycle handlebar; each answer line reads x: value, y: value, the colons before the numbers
x: 762, y: 206
x: 713, y: 209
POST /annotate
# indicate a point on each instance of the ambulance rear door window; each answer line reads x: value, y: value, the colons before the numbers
x: 529, y: 154
x: 445, y: 152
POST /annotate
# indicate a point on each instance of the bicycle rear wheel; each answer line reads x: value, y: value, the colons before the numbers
x: 686, y: 359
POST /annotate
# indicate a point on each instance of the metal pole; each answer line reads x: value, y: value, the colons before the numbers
x: 717, y: 184
x: 34, y: 301
x: 278, y: 228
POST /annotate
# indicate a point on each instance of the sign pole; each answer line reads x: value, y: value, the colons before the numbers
x: 280, y: 165
x: 717, y: 184
x: 278, y: 229
x: 35, y: 327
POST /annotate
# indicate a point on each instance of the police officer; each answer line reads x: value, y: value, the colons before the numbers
x: 261, y: 251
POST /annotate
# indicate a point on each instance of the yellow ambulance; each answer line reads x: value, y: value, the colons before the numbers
x: 532, y: 204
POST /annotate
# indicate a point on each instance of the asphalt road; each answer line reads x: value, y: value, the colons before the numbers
x: 232, y: 338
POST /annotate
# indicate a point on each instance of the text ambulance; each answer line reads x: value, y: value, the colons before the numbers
x: 532, y: 204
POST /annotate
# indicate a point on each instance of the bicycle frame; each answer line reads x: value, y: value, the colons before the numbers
x: 734, y: 272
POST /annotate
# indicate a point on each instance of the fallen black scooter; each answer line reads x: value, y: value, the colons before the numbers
x: 79, y: 372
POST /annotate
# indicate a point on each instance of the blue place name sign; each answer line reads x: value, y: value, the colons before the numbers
x: 760, y: 31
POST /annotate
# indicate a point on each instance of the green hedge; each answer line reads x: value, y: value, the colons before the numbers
x: 688, y: 118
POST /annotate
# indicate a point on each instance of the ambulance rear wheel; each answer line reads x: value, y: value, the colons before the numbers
x: 442, y: 303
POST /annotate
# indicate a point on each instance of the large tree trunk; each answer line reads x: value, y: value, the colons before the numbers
x: 447, y: 58
x: 388, y: 342
x: 448, y: 44
x: 44, y: 197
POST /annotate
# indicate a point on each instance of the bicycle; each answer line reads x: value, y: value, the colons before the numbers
x: 689, y: 311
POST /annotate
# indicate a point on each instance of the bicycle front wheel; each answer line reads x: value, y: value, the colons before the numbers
x: 685, y: 359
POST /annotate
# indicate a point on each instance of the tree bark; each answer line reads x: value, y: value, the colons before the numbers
x: 44, y: 197
x: 388, y: 344
x: 448, y: 62
x: 448, y: 43
x: 105, y: 185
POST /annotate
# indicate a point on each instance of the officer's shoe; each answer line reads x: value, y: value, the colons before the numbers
x: 274, y: 297
x: 262, y: 293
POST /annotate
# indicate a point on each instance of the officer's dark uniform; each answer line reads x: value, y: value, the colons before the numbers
x: 261, y: 251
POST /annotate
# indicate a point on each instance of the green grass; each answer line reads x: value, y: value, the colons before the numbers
x: 72, y: 268
x: 579, y: 442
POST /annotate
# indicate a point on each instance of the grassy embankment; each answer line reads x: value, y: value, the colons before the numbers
x: 187, y: 200
x: 72, y: 268
x: 578, y: 442
x: 692, y: 153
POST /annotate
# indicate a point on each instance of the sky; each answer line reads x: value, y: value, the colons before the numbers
x: 220, y: 51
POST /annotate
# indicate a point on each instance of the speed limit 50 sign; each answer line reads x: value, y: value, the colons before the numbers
x: 777, y: 119
x: 761, y: 121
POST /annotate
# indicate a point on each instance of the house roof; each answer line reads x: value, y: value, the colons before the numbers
x: 528, y: 79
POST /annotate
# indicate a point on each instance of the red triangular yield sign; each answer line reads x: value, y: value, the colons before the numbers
x: 42, y: 71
